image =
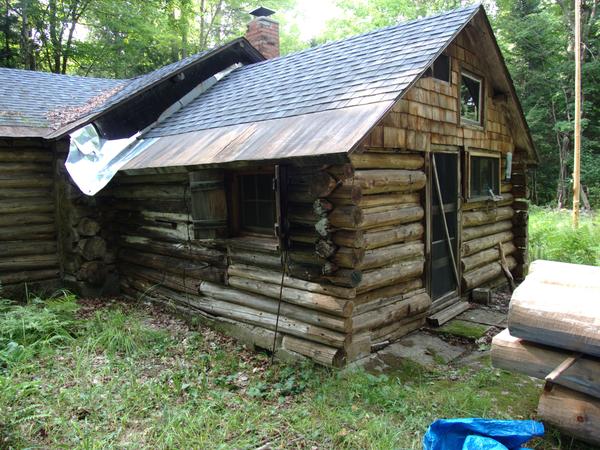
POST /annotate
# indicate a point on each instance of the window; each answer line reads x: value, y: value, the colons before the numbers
x: 440, y: 69
x: 256, y: 203
x: 470, y: 98
x: 484, y: 176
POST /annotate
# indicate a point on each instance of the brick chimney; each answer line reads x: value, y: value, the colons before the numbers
x: 263, y: 33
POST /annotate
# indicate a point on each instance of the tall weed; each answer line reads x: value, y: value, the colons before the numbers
x: 552, y: 237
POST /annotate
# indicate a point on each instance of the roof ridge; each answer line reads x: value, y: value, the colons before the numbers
x: 374, y: 31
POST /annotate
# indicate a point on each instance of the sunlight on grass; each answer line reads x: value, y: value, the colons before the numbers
x: 552, y: 237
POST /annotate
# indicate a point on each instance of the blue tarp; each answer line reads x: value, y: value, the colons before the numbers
x: 480, y: 434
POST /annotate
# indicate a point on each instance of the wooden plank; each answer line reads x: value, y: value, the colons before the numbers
x: 445, y: 315
x: 536, y: 360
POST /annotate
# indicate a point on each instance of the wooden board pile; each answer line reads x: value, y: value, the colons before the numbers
x: 554, y: 334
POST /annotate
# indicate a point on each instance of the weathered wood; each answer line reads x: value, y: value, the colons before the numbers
x: 390, y: 215
x: 386, y: 295
x: 535, y: 360
x: 346, y: 217
x: 350, y: 192
x: 209, y: 203
x: 24, y: 219
x: 271, y: 305
x: 313, y: 300
x: 88, y: 227
x: 341, y: 171
x: 405, y: 306
x: 409, y: 161
x: 396, y: 330
x: 567, y: 317
x: 14, y: 193
x: 27, y: 205
x: 391, y: 274
x: 384, y: 256
x: 474, y: 218
x: 317, y: 183
x: 445, y: 315
x: 486, y: 230
x: 18, y: 248
x: 476, y: 245
x: 255, y: 273
x: 93, y: 248
x: 27, y: 262
x: 477, y: 277
x: 386, y: 199
x: 177, y: 282
x: 572, y: 412
x: 345, y: 277
x: 92, y: 272
x: 17, y: 181
x: 507, y: 199
x: 28, y: 276
x: 479, y: 259
x: 348, y: 257
x: 564, y: 274
x: 382, y: 180
x: 30, y: 232
x: 322, y: 354
x: 376, y: 238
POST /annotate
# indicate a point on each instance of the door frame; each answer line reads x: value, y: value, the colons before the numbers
x: 430, y: 192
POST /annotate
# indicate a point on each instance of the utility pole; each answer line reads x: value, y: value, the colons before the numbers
x: 577, y: 140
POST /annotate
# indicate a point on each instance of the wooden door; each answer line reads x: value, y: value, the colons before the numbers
x: 443, y: 270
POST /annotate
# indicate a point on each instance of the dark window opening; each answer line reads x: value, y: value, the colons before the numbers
x: 256, y: 203
x: 441, y: 68
x: 484, y: 177
x: 470, y: 98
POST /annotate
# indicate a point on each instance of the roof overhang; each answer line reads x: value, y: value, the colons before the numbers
x: 321, y: 134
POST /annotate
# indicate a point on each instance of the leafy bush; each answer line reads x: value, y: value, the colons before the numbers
x: 552, y: 237
x: 27, y: 328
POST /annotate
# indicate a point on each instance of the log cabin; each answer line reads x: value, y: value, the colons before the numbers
x: 318, y: 204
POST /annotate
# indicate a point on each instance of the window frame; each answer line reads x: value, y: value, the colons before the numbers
x: 469, y: 154
x: 465, y: 120
x: 234, y: 199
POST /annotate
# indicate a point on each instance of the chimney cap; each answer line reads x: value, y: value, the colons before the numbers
x: 261, y: 11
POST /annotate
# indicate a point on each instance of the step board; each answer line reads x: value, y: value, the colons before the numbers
x: 440, y: 318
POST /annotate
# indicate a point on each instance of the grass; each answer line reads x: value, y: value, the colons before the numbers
x: 115, y: 375
x: 552, y: 237
x: 464, y: 329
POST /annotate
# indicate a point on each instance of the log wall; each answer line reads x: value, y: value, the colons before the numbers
x: 28, y: 247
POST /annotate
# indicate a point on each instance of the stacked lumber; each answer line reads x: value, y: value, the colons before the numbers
x: 554, y: 334
x: 28, y: 249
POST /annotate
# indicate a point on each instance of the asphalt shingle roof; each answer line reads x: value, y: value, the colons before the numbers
x: 369, y: 68
x: 28, y: 97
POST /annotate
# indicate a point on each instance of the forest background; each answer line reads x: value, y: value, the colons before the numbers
x: 126, y: 38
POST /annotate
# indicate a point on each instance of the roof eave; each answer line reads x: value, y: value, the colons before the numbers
x: 242, y: 42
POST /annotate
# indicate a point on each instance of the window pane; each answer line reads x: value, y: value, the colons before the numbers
x: 257, y: 203
x: 469, y: 98
x: 484, y: 176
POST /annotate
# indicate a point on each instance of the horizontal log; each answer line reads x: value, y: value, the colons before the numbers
x: 571, y: 412
x: 396, y: 330
x: 376, y: 238
x: 175, y: 205
x: 384, y: 256
x: 28, y: 262
x: 27, y: 205
x: 409, y: 161
x: 29, y: 232
x: 249, y: 258
x: 150, y: 192
x: 267, y: 320
x: 390, y: 215
x: 535, y: 360
x: 272, y: 305
x: 189, y: 250
x: 158, y: 178
x: 313, y: 300
x: 404, y: 307
x: 172, y: 265
x: 476, y: 245
x: 341, y: 171
x: 386, y: 199
x: 567, y: 317
x: 485, y: 256
x: 507, y: 199
x: 346, y: 217
x: 20, y: 155
x: 469, y: 233
x: 14, y: 193
x: 474, y: 218
x: 383, y: 296
x: 323, y: 354
x: 19, y: 248
x: 389, y: 180
x: 255, y: 273
x: 352, y: 193
x: 392, y: 274
x: 16, y: 181
x: 24, y: 219
x: 477, y: 277
x: 318, y: 183
x: 28, y: 276
x: 26, y: 168
x: 154, y: 278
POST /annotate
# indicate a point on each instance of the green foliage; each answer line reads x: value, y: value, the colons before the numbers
x: 552, y: 237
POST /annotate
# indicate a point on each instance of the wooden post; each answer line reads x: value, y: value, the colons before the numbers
x: 577, y: 140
